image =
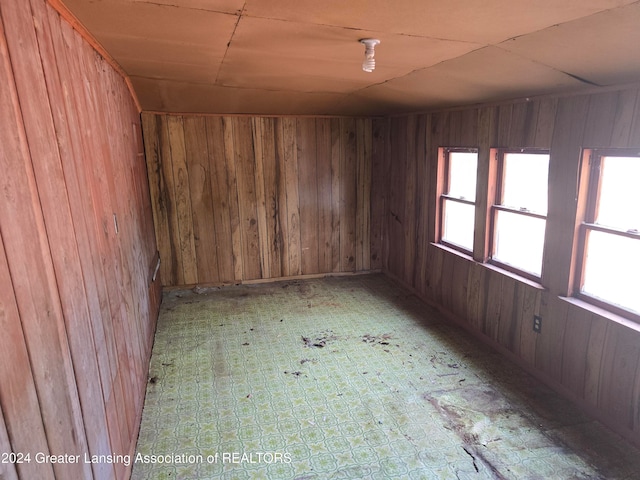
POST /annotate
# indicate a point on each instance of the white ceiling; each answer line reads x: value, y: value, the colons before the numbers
x: 304, y: 56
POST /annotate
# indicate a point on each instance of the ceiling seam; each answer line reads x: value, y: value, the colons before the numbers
x: 550, y: 67
x: 244, y: 5
x: 183, y: 7
x: 356, y: 29
x: 206, y: 84
x: 555, y: 25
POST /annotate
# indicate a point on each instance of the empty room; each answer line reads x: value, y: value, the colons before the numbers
x: 265, y: 239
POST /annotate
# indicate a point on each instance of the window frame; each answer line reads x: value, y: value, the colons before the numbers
x: 445, y: 182
x: 588, y: 198
x: 495, y: 206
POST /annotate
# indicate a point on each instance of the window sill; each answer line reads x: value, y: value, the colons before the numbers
x: 489, y: 266
x: 515, y: 276
x: 454, y: 251
x: 602, y: 312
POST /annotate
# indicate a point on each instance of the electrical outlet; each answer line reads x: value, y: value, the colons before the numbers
x: 537, y: 323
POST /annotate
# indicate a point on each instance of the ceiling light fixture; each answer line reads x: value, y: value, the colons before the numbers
x: 369, y: 63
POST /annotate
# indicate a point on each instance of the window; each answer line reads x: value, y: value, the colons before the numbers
x: 609, y: 244
x: 519, y: 212
x: 458, y: 198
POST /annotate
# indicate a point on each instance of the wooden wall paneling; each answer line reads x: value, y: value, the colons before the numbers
x: 503, y: 130
x: 168, y: 189
x: 574, y: 356
x: 618, y: 375
x: 397, y: 196
x: 291, y: 188
x: 264, y: 234
x: 436, y: 138
x: 129, y: 272
x: 308, y: 194
x: 528, y: 338
x: 422, y: 203
x: 18, y: 397
x: 272, y: 205
x: 454, y: 129
x: 378, y: 191
x: 635, y: 400
x: 634, y: 134
x: 140, y: 248
x: 152, y: 126
x: 101, y: 179
x: 233, y: 199
x: 200, y: 191
x: 409, y: 226
x: 545, y: 122
x: 563, y: 180
x: 92, y: 244
x: 21, y: 218
x: 600, y: 121
x: 459, y: 285
x: 468, y: 136
x: 523, y: 118
x: 549, y: 345
x: 387, y: 218
x: 348, y: 194
x: 435, y: 257
x: 221, y: 200
x: 247, y: 200
x: 493, y: 304
x: 182, y: 199
x: 485, y: 188
x: 281, y: 191
x: 446, y: 281
x: 336, y: 194
x: 593, y: 363
x: 7, y: 470
x: 325, y: 212
x: 55, y: 200
x: 476, y: 296
x: 509, y: 324
x: 363, y: 200
x: 623, y: 119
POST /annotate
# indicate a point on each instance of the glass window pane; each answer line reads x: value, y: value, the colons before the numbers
x: 519, y: 241
x: 611, y: 269
x: 458, y: 224
x: 525, y: 181
x: 619, y: 202
x: 462, y: 175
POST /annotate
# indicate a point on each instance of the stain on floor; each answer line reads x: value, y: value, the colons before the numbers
x: 350, y: 377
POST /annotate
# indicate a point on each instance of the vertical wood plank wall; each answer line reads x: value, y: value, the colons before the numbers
x: 592, y: 359
x: 245, y: 198
x: 77, y: 247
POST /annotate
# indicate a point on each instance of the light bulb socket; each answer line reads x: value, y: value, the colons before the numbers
x: 369, y: 63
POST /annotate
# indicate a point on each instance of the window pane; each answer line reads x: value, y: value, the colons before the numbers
x: 519, y: 241
x: 525, y: 181
x: 611, y: 269
x: 458, y: 224
x: 619, y: 202
x: 462, y: 175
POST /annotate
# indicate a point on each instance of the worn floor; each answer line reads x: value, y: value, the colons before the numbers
x: 350, y: 377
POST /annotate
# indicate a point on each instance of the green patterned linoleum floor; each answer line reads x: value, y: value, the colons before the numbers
x: 349, y: 377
